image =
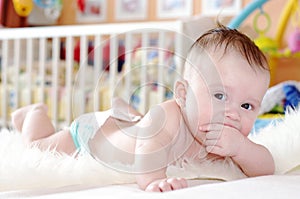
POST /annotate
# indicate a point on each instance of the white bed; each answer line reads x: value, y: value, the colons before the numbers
x: 267, y: 187
x: 30, y: 173
x: 33, y: 70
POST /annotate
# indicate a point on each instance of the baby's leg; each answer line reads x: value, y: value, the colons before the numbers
x: 36, y: 123
x: 19, y: 115
x: 61, y: 141
x: 37, y: 129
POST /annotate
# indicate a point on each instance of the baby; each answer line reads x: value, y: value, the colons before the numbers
x: 214, y: 108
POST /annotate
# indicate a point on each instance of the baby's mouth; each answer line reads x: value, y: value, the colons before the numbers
x: 205, y: 127
x: 231, y: 126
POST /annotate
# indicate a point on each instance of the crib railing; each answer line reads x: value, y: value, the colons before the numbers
x: 77, y: 69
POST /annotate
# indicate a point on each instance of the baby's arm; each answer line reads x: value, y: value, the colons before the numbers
x: 254, y: 159
x: 149, y: 165
x: 154, y: 142
x: 152, y: 171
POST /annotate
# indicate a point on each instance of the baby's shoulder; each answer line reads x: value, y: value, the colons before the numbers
x: 168, y: 109
x: 167, y: 113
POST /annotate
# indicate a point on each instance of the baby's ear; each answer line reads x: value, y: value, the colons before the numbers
x: 180, y: 91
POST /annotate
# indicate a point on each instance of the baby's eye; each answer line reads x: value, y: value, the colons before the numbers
x: 220, y: 96
x: 247, y: 106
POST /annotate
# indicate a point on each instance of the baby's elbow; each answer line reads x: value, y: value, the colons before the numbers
x: 267, y: 166
x: 141, y: 182
x: 271, y: 170
x: 266, y: 170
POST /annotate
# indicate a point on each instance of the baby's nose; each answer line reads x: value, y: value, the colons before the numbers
x: 232, y: 112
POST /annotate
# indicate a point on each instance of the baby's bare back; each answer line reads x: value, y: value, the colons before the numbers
x: 114, y: 141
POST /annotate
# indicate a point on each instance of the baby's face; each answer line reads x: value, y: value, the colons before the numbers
x: 227, y: 91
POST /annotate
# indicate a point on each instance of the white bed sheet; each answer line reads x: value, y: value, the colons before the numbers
x: 30, y: 173
x: 265, y: 187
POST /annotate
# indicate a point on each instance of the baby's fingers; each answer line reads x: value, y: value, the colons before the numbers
x: 165, y: 186
x: 211, y: 143
x: 211, y: 127
x: 214, y: 149
x: 177, y: 183
x: 153, y: 188
x: 213, y: 135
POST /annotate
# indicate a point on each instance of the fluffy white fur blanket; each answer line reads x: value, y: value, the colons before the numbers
x: 24, y: 168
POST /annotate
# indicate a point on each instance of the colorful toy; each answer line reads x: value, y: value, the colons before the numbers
x: 294, y: 37
x: 273, y: 46
x: 81, y: 5
x: 238, y: 20
x: 292, y: 98
x: 45, y: 3
x: 23, y: 7
x: 52, y: 8
x: 283, y: 20
x: 266, y: 44
x: 294, y: 41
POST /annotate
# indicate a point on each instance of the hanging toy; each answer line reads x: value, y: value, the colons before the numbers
x: 81, y: 5
x: 23, y: 7
x: 52, y: 8
x: 54, y: 11
x: 45, y: 3
x: 266, y: 44
x: 294, y: 37
x: 294, y: 41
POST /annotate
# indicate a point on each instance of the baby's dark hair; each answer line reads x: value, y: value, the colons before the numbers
x: 222, y: 36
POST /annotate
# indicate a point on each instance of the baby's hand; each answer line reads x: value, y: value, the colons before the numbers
x: 222, y: 140
x: 167, y: 184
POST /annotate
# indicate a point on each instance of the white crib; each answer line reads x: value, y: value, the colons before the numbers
x: 39, y: 65
x: 66, y: 66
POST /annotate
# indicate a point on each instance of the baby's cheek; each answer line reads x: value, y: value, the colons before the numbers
x: 193, y: 118
x: 206, y: 114
x: 247, y: 126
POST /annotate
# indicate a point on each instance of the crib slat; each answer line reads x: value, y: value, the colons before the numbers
x: 82, y: 76
x: 113, y: 64
x: 161, y: 66
x: 42, y: 69
x: 14, y: 93
x: 69, y: 80
x: 180, y: 54
x: 128, y: 68
x: 143, y: 74
x: 4, y: 66
x: 29, y: 63
x: 55, y: 87
x: 97, y: 70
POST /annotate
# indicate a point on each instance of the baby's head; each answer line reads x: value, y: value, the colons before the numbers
x: 224, y: 40
x: 225, y: 79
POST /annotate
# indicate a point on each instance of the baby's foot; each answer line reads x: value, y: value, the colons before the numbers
x: 18, y: 116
